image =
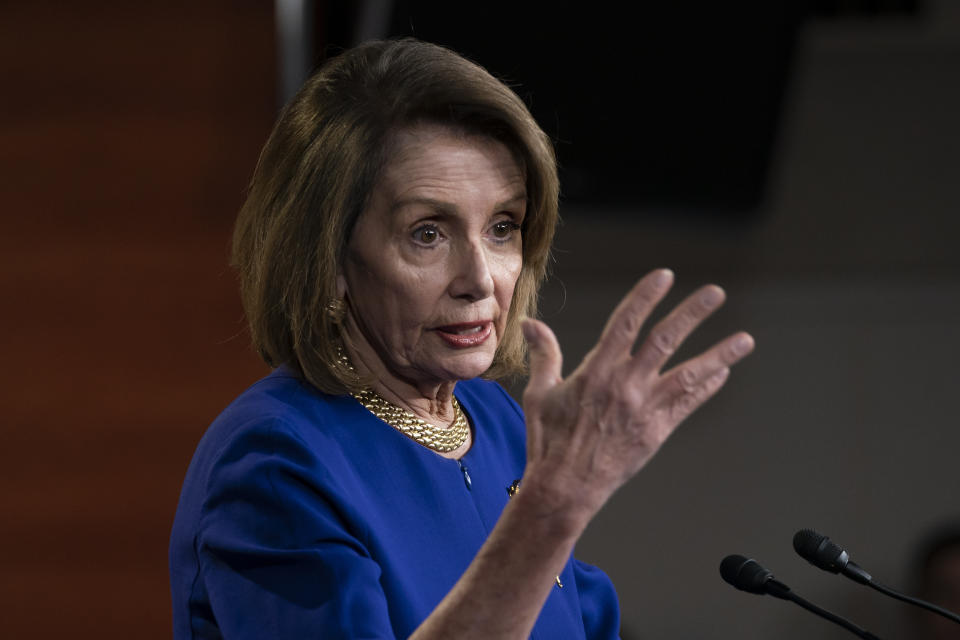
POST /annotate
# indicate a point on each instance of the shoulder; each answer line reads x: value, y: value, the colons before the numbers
x: 278, y: 421
x: 278, y: 403
x: 280, y: 395
x: 278, y: 446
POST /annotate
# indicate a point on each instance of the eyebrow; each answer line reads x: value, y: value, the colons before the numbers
x: 449, y: 208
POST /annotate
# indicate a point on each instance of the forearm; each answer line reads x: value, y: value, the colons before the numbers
x: 503, y: 590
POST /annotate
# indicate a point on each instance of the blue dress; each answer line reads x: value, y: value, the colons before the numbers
x: 304, y: 516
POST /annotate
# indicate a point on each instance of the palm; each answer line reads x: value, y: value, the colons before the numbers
x: 601, y: 425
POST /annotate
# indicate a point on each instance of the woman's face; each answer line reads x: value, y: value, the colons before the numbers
x: 432, y: 261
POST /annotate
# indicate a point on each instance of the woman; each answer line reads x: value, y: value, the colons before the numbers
x: 395, y: 234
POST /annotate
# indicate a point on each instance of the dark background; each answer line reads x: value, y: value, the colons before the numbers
x: 804, y: 155
x: 700, y: 97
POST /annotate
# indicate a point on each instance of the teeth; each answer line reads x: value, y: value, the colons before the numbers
x: 469, y: 330
x: 463, y: 331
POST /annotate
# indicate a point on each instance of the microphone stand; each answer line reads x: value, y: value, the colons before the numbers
x: 780, y: 590
x: 885, y: 590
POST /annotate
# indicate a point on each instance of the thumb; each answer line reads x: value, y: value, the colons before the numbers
x: 546, y: 360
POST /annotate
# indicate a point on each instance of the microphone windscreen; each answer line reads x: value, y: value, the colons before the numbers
x: 805, y: 542
x: 819, y: 550
x: 744, y: 574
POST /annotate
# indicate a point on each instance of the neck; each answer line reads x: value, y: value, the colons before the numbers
x: 430, y: 401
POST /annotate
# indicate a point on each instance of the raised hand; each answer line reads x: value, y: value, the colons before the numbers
x: 589, y: 433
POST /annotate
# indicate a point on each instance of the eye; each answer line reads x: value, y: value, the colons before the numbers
x: 504, y: 229
x: 427, y: 234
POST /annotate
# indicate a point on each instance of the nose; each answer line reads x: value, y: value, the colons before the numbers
x: 472, y: 279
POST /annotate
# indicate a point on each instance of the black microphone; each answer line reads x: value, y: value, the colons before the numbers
x: 748, y: 575
x: 822, y: 552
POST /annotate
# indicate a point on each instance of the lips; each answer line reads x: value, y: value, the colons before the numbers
x: 461, y: 330
x: 466, y: 334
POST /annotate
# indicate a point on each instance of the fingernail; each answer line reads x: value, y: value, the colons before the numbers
x: 712, y: 296
x: 529, y: 331
x: 663, y: 277
x: 743, y: 344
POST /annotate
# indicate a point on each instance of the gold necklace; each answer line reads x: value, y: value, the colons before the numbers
x: 407, y: 423
x: 427, y: 434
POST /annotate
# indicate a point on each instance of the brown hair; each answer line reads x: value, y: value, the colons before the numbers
x: 319, y: 166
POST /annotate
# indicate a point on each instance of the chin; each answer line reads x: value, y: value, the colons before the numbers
x: 464, y: 366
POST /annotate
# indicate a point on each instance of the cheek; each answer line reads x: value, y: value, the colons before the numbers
x: 413, y: 298
x: 383, y: 282
x: 507, y: 282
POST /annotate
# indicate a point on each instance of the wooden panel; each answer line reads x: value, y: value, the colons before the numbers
x: 127, y: 134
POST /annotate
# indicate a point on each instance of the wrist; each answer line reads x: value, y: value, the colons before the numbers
x: 562, y: 508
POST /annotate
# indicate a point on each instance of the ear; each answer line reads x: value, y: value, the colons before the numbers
x: 341, y: 284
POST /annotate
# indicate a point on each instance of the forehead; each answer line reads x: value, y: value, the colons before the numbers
x: 437, y: 157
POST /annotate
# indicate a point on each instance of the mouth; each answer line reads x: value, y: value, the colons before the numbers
x: 466, y: 334
x: 462, y: 330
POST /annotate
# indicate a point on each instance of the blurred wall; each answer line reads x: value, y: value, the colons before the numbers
x: 127, y: 134
x: 844, y: 418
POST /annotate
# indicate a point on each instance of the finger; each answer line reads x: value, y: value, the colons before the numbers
x: 546, y: 359
x: 627, y: 319
x: 686, y: 378
x: 683, y: 405
x: 668, y: 334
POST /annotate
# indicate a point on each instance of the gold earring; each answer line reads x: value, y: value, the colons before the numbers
x: 336, y: 309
